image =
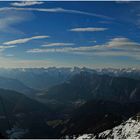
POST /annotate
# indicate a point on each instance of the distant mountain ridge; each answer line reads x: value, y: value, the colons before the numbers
x: 43, y: 78
x: 14, y: 84
x: 40, y: 78
x: 87, y: 86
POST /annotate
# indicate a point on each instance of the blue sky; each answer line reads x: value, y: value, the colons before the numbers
x: 67, y: 34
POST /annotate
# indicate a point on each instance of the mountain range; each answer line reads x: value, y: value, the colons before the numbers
x: 43, y: 78
x: 60, y: 102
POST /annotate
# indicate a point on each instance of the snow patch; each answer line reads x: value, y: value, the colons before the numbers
x: 127, y: 130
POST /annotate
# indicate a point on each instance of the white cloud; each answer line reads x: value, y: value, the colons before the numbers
x: 6, y: 62
x: 26, y: 3
x: 114, y: 47
x: 57, y: 44
x: 10, y: 18
x: 9, y: 55
x: 88, y: 29
x: 123, y: 42
x: 23, y: 40
x: 94, y: 41
x: 55, y: 10
x: 65, y: 49
x: 122, y: 1
x: 2, y: 48
x: 6, y: 47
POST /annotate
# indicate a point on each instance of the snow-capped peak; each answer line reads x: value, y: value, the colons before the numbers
x: 127, y: 130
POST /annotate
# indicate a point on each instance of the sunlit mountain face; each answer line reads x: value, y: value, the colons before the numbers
x: 69, y: 69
